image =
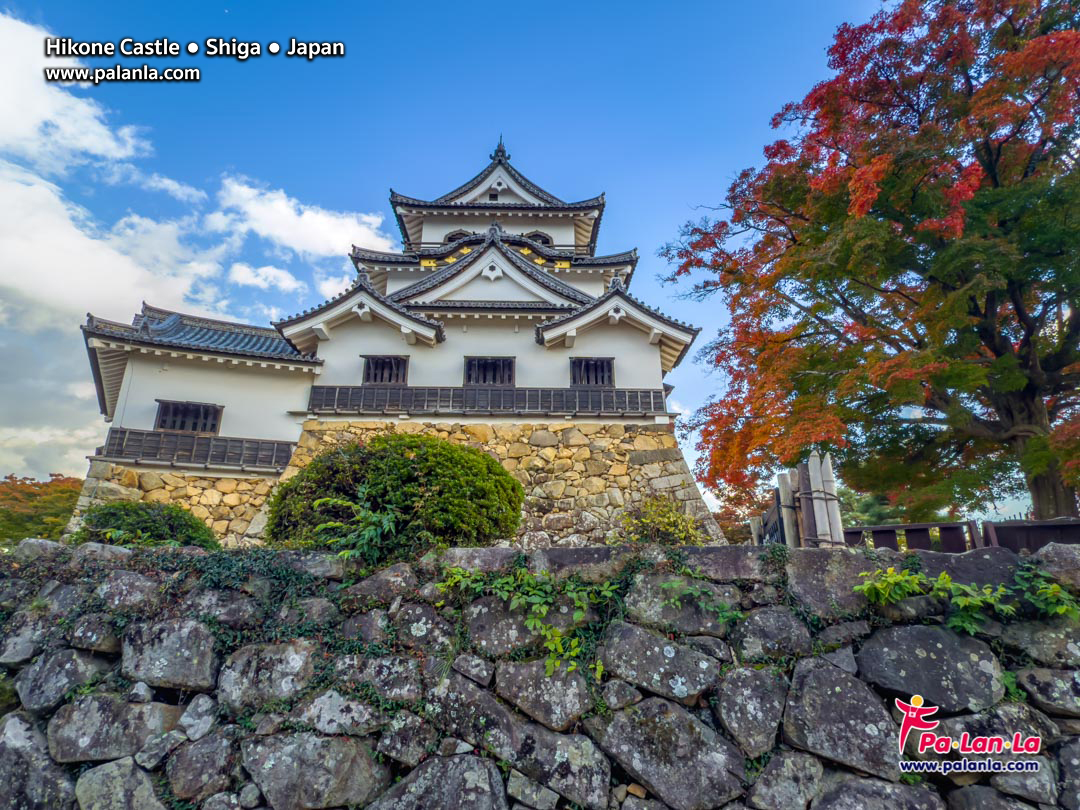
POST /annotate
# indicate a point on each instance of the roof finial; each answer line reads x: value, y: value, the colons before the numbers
x: 495, y: 230
x: 615, y: 282
x: 500, y: 151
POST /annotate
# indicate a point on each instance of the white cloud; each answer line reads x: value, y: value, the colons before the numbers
x: 58, y: 260
x: 330, y: 286
x: 44, y: 123
x: 42, y: 449
x: 83, y: 389
x: 677, y: 407
x: 127, y: 173
x: 307, y: 230
x: 265, y: 277
x: 58, y: 263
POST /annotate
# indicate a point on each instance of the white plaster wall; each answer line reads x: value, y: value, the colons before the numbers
x: 481, y: 288
x: 256, y: 401
x: 637, y: 363
x: 436, y: 227
x: 400, y: 279
x: 504, y: 185
x: 593, y: 284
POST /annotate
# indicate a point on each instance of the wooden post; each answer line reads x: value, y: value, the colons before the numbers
x: 793, y: 478
x: 787, y: 510
x: 755, y: 531
x: 832, y: 501
x: 817, y: 492
x: 808, y: 527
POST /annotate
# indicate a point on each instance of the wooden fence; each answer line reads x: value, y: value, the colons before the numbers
x: 805, y: 509
x: 1031, y: 535
x: 805, y: 512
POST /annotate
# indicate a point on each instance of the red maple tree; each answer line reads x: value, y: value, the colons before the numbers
x: 903, y: 272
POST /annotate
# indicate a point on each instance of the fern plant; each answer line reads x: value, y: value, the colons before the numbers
x: 1046, y: 595
x: 367, y: 535
x: 890, y: 586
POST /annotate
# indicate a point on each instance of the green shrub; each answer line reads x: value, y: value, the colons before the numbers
x: 292, y: 516
x: 662, y: 521
x: 401, y: 493
x: 133, y: 523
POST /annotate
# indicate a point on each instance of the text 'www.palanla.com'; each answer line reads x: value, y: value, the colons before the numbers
x: 119, y: 73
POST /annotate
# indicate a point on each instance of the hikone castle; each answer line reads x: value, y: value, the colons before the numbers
x: 497, y: 325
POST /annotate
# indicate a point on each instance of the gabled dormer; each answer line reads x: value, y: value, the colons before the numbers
x: 492, y: 272
x: 589, y: 274
x: 502, y: 193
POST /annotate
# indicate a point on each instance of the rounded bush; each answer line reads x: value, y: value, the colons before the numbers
x: 436, y: 492
x: 134, y: 523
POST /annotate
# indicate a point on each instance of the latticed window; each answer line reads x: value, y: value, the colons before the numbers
x: 385, y: 370
x: 188, y: 417
x: 592, y: 371
x: 489, y: 370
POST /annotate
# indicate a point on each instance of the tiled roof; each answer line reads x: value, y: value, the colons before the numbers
x: 382, y: 256
x: 499, y: 158
x: 494, y: 236
x: 413, y: 257
x: 616, y: 291
x: 544, y: 306
x: 162, y: 327
x: 364, y: 283
x: 579, y: 205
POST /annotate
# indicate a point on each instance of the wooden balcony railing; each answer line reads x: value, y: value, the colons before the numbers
x: 194, y: 450
x: 580, y: 250
x: 375, y: 399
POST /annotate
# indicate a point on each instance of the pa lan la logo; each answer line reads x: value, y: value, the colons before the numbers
x: 916, y: 717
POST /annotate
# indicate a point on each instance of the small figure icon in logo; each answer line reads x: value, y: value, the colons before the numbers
x: 915, y: 717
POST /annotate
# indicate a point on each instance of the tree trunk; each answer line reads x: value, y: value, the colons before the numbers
x: 1051, y: 496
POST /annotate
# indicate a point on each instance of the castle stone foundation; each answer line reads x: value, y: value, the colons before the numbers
x: 579, y: 477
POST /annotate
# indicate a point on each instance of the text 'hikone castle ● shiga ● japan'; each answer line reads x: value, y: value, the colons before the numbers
x: 497, y: 325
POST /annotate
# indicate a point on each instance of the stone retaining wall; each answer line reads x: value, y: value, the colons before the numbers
x: 578, y: 476
x: 256, y: 679
x: 231, y: 506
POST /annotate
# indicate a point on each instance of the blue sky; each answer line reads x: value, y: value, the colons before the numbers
x: 240, y: 194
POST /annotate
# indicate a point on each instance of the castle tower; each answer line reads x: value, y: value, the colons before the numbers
x: 497, y: 325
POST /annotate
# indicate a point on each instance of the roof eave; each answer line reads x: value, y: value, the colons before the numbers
x: 95, y: 371
x: 362, y: 285
x: 592, y: 203
x: 184, y: 348
x: 675, y: 329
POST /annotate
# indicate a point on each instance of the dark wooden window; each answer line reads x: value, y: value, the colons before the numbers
x: 489, y: 371
x: 188, y: 417
x: 592, y: 371
x: 541, y: 237
x: 493, y: 196
x: 386, y: 370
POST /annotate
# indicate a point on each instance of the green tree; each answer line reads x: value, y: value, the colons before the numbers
x: 861, y: 509
x: 32, y: 508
